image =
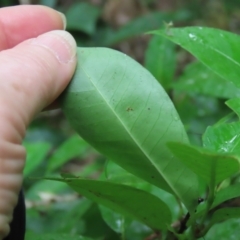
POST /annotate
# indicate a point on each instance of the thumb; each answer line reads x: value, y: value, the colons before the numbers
x: 32, y: 75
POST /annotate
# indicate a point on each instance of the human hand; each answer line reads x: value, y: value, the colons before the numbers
x: 37, y: 62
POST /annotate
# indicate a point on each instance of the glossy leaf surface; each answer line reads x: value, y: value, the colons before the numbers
x: 120, y: 109
x: 124, y: 199
x: 217, y: 49
x: 210, y: 166
x: 223, y: 138
x: 198, y: 78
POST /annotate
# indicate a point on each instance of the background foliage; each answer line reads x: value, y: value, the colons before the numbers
x: 54, y: 148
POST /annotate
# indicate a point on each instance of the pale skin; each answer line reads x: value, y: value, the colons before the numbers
x: 37, y: 61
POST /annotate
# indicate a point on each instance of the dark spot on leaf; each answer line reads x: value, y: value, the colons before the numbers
x: 152, y: 177
x: 149, y: 108
x: 129, y: 109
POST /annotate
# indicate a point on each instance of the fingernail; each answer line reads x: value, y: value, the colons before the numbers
x: 60, y: 43
x: 64, y: 20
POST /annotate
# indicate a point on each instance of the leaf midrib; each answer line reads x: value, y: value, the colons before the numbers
x: 130, y: 135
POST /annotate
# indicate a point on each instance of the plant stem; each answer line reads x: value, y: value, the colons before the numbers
x: 181, y: 211
x: 123, y: 229
x: 183, y: 225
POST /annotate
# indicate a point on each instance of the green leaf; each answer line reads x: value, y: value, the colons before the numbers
x: 197, y: 112
x: 71, y: 148
x: 143, y: 24
x: 54, y: 236
x: 127, y: 200
x: 210, y: 166
x: 234, y: 104
x: 115, y: 173
x: 115, y: 221
x: 217, y: 49
x: 226, y: 230
x: 224, y: 214
x: 93, y: 220
x: 198, y: 78
x: 49, y: 3
x: 230, y: 117
x: 126, y: 227
x: 36, y: 153
x: 227, y: 193
x: 74, y: 214
x: 223, y: 138
x: 82, y: 17
x: 221, y: 215
x: 121, y: 110
x: 160, y: 60
x: 223, y: 195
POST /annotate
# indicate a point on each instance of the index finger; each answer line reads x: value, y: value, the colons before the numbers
x: 26, y: 21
